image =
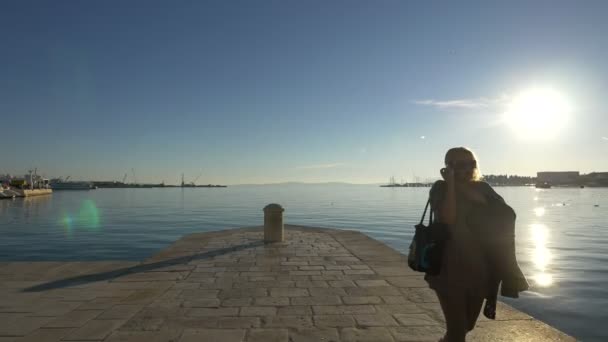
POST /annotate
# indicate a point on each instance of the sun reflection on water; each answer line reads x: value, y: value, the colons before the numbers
x: 540, y: 211
x: 543, y: 279
x: 541, y: 256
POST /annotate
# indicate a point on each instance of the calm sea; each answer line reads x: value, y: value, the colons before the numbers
x: 562, y: 234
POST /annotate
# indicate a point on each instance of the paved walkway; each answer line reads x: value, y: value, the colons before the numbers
x: 319, y: 285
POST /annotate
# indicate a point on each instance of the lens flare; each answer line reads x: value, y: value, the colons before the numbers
x: 87, y: 218
x: 68, y: 223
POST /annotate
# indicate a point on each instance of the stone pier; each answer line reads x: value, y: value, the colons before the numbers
x: 316, y: 285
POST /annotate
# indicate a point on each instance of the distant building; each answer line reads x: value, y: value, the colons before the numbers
x: 558, y: 177
x: 597, y: 175
x: 596, y: 179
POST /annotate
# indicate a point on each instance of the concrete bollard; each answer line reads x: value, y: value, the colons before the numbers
x: 273, y: 223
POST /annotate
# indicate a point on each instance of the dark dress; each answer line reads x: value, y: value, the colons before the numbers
x: 462, y: 284
x: 463, y: 267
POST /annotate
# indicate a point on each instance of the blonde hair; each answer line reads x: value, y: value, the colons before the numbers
x: 451, y: 153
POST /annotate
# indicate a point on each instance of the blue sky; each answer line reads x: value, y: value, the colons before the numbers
x: 314, y: 91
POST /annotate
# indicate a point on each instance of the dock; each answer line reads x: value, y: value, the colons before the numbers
x: 12, y: 193
x: 34, y: 192
x: 317, y: 285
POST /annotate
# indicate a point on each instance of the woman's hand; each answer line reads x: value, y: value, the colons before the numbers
x: 448, y: 175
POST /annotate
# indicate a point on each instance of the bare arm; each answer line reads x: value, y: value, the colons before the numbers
x: 444, y: 196
x: 447, y: 211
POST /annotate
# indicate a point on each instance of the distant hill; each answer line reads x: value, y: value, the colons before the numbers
x: 305, y: 183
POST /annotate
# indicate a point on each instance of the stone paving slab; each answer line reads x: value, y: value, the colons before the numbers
x: 318, y: 285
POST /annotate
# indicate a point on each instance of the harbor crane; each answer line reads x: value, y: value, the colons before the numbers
x: 192, y: 183
x: 197, y: 177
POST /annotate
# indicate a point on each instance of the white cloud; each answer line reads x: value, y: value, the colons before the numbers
x: 464, y: 103
x: 319, y: 166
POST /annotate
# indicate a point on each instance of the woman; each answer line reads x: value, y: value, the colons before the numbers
x: 466, y: 204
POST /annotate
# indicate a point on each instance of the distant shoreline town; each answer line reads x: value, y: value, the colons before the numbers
x: 543, y: 179
x: 34, y: 184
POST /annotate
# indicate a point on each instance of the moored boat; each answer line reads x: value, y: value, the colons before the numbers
x: 543, y: 185
x: 71, y: 185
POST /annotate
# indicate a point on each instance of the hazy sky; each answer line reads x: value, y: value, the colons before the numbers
x: 273, y: 91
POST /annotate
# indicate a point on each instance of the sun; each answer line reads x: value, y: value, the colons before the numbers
x: 538, y: 113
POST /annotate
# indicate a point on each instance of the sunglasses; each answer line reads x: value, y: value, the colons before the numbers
x: 463, y: 164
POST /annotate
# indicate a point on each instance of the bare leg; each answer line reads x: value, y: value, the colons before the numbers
x: 474, y: 305
x: 455, y: 312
